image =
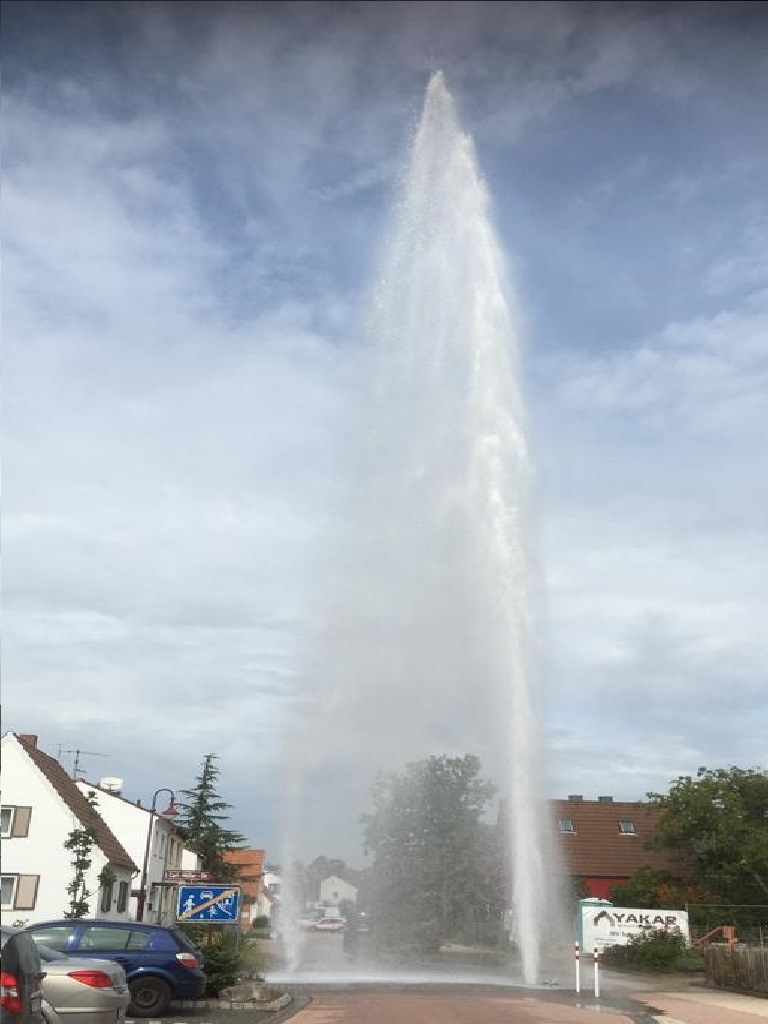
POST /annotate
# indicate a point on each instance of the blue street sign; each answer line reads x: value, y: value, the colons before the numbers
x: 210, y: 903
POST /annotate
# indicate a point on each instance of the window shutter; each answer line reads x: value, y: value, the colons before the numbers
x: 20, y: 825
x: 26, y: 892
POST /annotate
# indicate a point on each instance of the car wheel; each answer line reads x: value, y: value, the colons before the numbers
x: 150, y: 997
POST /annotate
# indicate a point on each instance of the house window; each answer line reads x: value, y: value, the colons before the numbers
x: 14, y: 822
x: 161, y: 850
x: 627, y: 827
x: 19, y: 891
x: 7, y: 900
x: 106, y: 897
x: 122, y: 897
x: 565, y: 825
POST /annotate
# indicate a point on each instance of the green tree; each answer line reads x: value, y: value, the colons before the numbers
x: 642, y: 888
x: 202, y: 815
x: 717, y: 823
x: 437, y: 865
x: 80, y: 843
x: 577, y: 889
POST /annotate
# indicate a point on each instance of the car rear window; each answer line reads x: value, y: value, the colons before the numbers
x: 185, y: 943
x: 102, y: 937
x: 161, y: 940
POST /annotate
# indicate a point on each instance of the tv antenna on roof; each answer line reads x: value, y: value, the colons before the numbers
x: 78, y: 754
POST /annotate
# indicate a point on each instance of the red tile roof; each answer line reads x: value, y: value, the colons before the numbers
x: 598, y: 847
x: 250, y: 865
x: 67, y: 789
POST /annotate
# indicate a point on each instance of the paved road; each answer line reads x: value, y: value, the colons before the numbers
x: 345, y: 991
x: 393, y: 1007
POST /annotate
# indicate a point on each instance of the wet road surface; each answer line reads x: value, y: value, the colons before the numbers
x: 392, y: 1007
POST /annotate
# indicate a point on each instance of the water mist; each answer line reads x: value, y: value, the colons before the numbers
x: 425, y: 646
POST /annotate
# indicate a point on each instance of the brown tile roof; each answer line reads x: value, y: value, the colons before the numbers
x: 251, y: 866
x: 250, y: 858
x: 78, y: 804
x: 597, y: 847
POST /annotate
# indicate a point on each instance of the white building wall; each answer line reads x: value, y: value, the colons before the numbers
x: 335, y: 890
x: 264, y: 906
x: 189, y: 860
x: 130, y: 825
x: 41, y: 853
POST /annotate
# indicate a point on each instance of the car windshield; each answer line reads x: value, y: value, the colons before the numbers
x: 47, y: 954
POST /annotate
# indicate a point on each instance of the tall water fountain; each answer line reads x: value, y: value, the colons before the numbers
x: 425, y: 646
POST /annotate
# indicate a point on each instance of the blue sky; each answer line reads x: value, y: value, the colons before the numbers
x: 194, y: 202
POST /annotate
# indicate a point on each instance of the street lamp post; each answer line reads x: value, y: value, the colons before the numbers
x: 170, y: 812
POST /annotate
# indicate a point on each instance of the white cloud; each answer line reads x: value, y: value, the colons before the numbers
x: 656, y: 553
x: 183, y: 232
x: 166, y: 462
x: 708, y: 376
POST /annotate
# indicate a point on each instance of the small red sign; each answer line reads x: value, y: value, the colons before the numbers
x: 180, y: 875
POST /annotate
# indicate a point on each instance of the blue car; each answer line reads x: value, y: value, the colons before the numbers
x: 161, y: 964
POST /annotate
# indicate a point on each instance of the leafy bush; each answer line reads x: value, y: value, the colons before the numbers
x: 196, y: 933
x: 653, y: 951
x: 223, y: 963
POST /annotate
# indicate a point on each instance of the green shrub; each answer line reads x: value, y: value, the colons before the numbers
x: 223, y: 963
x: 196, y: 933
x: 691, y: 960
x: 653, y: 951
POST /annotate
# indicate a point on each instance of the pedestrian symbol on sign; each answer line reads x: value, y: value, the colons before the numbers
x: 219, y: 903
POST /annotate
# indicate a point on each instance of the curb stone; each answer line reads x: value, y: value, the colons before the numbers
x: 283, y: 1007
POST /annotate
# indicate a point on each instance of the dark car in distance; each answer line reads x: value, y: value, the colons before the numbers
x: 161, y: 964
x: 21, y: 976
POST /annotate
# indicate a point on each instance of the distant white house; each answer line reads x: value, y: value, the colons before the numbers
x: 267, y: 902
x: 41, y: 806
x: 131, y: 823
x: 335, y: 891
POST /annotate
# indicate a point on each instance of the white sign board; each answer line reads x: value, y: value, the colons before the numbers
x: 603, y: 926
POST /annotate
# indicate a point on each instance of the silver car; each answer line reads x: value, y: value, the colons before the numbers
x: 80, y: 991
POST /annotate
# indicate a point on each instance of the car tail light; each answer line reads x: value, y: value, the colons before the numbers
x: 188, y: 960
x: 94, y: 979
x: 9, y: 993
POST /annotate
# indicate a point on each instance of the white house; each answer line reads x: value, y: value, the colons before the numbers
x: 41, y: 807
x: 334, y: 891
x: 145, y: 835
x: 267, y: 902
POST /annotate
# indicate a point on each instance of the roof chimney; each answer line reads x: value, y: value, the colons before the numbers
x: 29, y: 738
x: 576, y: 798
x: 605, y: 799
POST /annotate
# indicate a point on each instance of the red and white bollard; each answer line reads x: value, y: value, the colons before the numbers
x: 596, y: 961
x: 578, y: 966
